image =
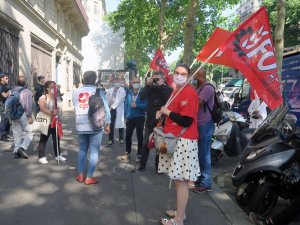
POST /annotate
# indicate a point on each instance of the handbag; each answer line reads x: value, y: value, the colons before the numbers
x: 41, y: 123
x: 165, y: 143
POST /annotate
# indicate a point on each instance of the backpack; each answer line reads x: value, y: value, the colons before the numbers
x: 13, y: 108
x: 96, y: 112
x: 217, y: 111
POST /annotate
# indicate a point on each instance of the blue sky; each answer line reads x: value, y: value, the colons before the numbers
x: 111, y: 5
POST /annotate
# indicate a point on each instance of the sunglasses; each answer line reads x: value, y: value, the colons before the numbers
x: 137, y: 82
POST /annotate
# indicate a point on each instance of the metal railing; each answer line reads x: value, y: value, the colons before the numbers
x: 9, y: 56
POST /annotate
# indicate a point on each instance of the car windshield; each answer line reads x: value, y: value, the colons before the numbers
x: 235, y: 83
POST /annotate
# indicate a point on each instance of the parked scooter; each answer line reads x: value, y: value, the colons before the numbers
x: 230, y: 136
x: 272, y: 149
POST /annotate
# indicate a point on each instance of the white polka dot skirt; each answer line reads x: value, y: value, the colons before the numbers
x: 184, y: 164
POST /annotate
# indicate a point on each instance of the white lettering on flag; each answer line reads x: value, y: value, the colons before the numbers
x: 266, y: 54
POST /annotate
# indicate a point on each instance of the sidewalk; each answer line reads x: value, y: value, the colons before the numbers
x: 33, y: 194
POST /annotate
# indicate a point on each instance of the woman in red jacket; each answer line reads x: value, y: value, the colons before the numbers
x: 183, y: 165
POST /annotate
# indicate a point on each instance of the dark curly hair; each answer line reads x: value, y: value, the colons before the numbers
x: 47, y: 85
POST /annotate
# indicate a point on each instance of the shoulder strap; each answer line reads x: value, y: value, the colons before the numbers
x: 205, y: 103
x: 97, y: 91
x: 204, y: 86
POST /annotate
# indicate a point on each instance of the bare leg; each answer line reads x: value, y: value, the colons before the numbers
x: 182, y: 193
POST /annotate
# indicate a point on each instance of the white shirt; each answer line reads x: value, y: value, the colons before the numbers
x: 256, y: 105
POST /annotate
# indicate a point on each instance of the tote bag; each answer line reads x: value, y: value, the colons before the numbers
x: 41, y: 123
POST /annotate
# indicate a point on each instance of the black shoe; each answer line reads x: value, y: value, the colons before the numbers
x: 138, y: 159
x: 142, y: 168
x: 258, y: 220
x: 109, y: 144
x: 4, y: 138
x: 17, y: 155
x: 22, y: 153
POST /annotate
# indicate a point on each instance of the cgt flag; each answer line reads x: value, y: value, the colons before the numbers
x: 250, y: 50
x: 159, y: 63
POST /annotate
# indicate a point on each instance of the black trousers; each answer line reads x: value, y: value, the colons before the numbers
x: 131, y: 124
x: 145, y: 149
x: 289, y: 213
x: 113, y: 114
x: 43, y: 142
x: 4, y: 125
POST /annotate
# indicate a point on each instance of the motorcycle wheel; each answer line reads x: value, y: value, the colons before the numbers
x: 243, y: 193
x: 215, y: 156
x: 263, y: 200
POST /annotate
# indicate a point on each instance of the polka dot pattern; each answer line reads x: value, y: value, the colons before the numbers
x: 184, y: 164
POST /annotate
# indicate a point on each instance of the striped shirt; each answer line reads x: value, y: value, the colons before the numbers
x: 26, y: 101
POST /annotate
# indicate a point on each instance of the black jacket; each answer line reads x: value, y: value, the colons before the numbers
x: 4, y: 88
x: 156, y: 97
x: 39, y: 90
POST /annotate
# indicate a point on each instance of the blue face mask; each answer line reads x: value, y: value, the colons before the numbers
x: 117, y: 84
x: 194, y: 82
x: 136, y: 86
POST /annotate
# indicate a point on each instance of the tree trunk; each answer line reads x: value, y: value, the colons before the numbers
x: 279, y: 34
x: 162, y: 23
x: 189, y: 31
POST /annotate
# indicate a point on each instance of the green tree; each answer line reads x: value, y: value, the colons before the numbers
x: 279, y: 34
x: 153, y: 23
x: 292, y: 20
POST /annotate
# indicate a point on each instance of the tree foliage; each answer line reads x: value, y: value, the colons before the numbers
x: 141, y: 23
x: 292, y: 20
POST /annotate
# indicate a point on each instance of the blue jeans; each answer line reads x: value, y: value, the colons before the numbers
x: 206, y: 132
x: 89, y: 143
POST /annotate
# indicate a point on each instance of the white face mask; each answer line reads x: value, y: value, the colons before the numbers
x: 136, y: 86
x: 117, y: 84
x: 179, y: 79
x: 52, y: 91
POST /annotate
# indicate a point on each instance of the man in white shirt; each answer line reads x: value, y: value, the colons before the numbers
x: 257, y: 111
x: 116, y: 100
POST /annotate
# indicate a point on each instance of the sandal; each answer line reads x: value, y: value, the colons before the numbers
x: 172, y: 214
x: 165, y: 221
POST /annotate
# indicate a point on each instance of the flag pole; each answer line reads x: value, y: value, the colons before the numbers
x: 195, y: 60
x: 137, y: 95
x: 205, y: 62
x: 147, y: 72
x: 58, y: 156
x: 149, y: 69
x: 56, y: 120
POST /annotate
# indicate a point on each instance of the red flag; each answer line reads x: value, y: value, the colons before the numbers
x: 159, y: 63
x: 55, y: 122
x: 251, y: 51
x: 216, y: 39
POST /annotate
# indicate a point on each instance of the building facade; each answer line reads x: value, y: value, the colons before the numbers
x: 247, y: 7
x: 103, y: 50
x: 43, y: 37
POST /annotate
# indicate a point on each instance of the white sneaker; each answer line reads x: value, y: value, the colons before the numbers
x: 61, y: 158
x: 43, y: 160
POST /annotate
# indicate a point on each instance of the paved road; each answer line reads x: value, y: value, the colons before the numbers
x: 33, y: 194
